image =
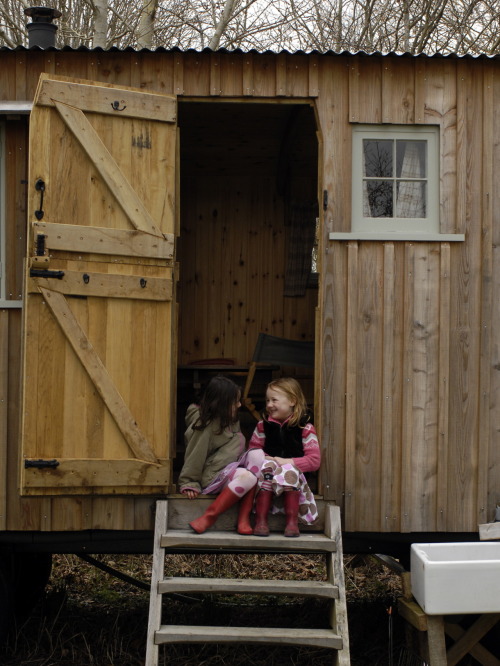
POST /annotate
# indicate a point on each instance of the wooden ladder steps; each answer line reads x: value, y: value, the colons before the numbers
x: 331, y: 590
x: 323, y: 638
x: 306, y: 543
x: 301, y: 588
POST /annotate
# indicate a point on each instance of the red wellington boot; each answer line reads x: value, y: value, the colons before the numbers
x: 246, y: 504
x: 292, y: 513
x: 262, y: 506
x: 222, y: 503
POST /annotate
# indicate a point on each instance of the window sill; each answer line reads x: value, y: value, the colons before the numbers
x: 395, y: 236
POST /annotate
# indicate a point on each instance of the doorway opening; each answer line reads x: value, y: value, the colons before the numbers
x: 248, y: 227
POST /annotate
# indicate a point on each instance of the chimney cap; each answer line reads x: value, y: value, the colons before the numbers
x: 42, y: 14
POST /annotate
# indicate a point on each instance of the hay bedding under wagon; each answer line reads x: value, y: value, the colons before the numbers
x: 88, y: 617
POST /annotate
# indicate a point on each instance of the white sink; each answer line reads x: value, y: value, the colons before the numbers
x: 449, y: 578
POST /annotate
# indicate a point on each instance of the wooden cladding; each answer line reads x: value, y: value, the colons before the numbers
x: 122, y: 242
x: 407, y: 379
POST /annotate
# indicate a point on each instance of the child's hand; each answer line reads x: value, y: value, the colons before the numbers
x: 192, y: 494
x: 283, y: 461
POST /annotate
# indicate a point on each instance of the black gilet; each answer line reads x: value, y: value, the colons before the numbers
x: 284, y: 441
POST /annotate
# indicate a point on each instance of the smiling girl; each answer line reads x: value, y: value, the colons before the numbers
x: 290, y: 445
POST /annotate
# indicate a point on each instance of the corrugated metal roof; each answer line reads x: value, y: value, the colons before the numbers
x: 161, y: 49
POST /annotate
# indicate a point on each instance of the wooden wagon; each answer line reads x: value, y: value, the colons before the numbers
x: 157, y: 212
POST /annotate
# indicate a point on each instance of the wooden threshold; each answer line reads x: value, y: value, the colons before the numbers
x: 317, y: 543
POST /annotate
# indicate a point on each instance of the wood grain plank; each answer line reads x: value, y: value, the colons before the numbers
x: 351, y: 415
x: 407, y: 391
x: 108, y: 285
x: 97, y: 99
x: 157, y: 574
x: 390, y: 451
x: 465, y: 313
x: 131, y: 204
x: 425, y: 385
x: 398, y: 92
x: 318, y: 589
x: 368, y: 428
x: 365, y: 90
x: 198, y: 634
x: 80, y: 474
x: 444, y: 387
x: 4, y: 401
x: 99, y: 375
x: 212, y: 539
x: 487, y: 334
x: 102, y: 240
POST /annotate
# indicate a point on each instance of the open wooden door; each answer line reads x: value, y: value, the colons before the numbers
x: 99, y: 363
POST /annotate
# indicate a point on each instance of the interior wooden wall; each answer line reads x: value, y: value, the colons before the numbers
x: 407, y: 379
x: 234, y: 233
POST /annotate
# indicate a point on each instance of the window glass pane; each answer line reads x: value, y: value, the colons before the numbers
x: 377, y: 158
x: 411, y: 199
x: 411, y: 159
x: 377, y: 198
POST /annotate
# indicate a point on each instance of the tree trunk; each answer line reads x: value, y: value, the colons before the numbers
x: 99, y: 37
x: 222, y: 24
x: 146, y: 24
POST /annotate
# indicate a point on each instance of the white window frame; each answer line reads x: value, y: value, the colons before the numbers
x: 394, y: 228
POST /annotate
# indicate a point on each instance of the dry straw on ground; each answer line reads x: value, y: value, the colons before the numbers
x: 88, y: 618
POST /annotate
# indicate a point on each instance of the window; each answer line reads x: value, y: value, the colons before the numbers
x: 395, y: 179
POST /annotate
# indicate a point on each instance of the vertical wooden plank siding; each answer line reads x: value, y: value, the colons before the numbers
x: 368, y: 337
x: 486, y: 298
x: 437, y: 105
x: 444, y: 387
x: 409, y: 389
x: 4, y: 403
x: 465, y: 313
x: 332, y: 106
x: 365, y: 90
x: 493, y: 484
x: 353, y: 506
x: 407, y: 435
x: 425, y: 380
x: 398, y: 91
x: 389, y: 494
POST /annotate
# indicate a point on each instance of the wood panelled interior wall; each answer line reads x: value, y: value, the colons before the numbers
x: 234, y: 237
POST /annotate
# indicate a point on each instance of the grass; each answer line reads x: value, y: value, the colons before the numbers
x: 89, y: 618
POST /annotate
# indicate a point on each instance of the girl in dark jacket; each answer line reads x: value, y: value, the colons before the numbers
x: 290, y: 445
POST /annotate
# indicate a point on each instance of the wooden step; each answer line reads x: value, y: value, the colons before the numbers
x: 303, y: 588
x: 310, y: 543
x: 324, y: 638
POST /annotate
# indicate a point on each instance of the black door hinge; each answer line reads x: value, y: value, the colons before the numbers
x: 40, y: 463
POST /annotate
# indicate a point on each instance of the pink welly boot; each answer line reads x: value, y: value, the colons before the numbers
x: 262, y: 506
x: 292, y: 513
x: 222, y: 503
x: 246, y: 504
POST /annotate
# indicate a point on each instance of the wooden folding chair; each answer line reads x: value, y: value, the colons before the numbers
x: 271, y: 350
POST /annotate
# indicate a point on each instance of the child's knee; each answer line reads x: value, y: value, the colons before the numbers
x: 255, y: 459
x: 248, y: 478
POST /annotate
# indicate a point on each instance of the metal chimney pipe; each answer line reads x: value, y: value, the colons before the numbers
x: 42, y: 32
